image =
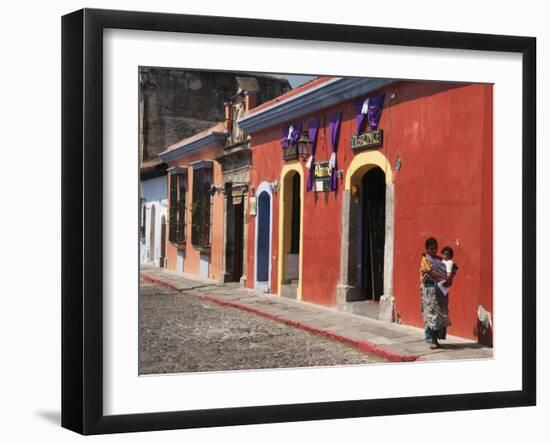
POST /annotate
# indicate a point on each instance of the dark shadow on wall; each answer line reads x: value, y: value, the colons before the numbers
x: 484, y: 334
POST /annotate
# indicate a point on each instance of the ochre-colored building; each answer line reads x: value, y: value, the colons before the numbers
x: 208, y: 176
x: 348, y: 230
x: 195, y: 214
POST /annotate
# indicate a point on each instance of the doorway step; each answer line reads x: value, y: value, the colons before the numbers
x: 290, y: 290
x: 365, y: 308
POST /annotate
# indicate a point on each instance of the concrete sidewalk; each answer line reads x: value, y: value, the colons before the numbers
x: 391, y: 341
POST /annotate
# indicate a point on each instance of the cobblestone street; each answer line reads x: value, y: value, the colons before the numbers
x: 179, y: 332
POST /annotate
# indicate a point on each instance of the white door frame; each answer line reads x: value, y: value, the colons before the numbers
x: 263, y: 286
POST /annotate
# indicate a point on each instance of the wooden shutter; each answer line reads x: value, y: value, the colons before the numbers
x: 201, y: 212
x: 180, y: 237
x: 173, y: 215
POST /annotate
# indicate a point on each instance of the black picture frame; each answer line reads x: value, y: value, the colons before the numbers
x: 82, y: 215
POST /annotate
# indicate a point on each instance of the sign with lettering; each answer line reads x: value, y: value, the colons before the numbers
x: 367, y: 140
x: 290, y: 153
x: 322, y: 172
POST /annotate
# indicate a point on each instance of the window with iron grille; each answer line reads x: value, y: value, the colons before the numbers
x: 201, y: 208
x: 178, y: 190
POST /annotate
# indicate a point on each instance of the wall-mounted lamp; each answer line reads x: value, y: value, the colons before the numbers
x: 398, y: 164
x: 303, y: 145
x: 274, y: 186
x: 216, y: 189
x: 228, y: 186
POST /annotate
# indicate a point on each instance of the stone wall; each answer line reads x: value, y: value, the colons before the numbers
x: 177, y: 103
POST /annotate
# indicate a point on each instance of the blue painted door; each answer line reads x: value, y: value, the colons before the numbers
x: 264, y: 221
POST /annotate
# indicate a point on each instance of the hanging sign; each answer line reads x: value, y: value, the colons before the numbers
x: 290, y: 153
x: 252, y: 205
x: 367, y: 140
x: 322, y: 172
x: 237, y: 193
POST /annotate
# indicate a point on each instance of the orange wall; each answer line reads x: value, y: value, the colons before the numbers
x: 443, y: 135
x: 191, y: 254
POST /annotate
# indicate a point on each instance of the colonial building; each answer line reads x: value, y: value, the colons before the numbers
x: 348, y: 178
x: 175, y: 104
x: 193, y: 211
x: 208, y: 176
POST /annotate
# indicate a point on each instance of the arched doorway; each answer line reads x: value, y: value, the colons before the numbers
x: 290, y: 232
x: 366, y: 256
x: 152, y: 233
x: 373, y: 229
x: 263, y: 239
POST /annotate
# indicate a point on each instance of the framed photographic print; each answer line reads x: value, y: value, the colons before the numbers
x: 271, y: 221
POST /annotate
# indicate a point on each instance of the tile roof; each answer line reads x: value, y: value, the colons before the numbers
x: 220, y: 128
x: 302, y: 88
x: 151, y: 163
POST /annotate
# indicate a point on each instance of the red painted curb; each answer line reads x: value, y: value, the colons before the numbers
x: 362, y: 345
x: 159, y: 281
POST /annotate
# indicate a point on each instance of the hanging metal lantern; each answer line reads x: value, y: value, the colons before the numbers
x: 304, y: 145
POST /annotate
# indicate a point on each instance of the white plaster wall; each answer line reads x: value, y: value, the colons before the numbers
x: 153, y: 192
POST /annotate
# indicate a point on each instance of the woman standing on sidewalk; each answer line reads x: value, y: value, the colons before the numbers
x: 434, y: 308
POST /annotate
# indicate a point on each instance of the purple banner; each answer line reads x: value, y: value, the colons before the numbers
x: 293, y: 136
x: 369, y: 110
x: 360, y: 118
x: 312, y: 128
x: 296, y: 132
x: 335, y: 120
x: 284, y: 138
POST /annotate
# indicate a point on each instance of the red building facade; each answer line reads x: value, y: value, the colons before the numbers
x: 354, y: 241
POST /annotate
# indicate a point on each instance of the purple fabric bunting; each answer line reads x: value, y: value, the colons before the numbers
x: 312, y: 128
x: 360, y: 118
x: 334, y: 128
x: 284, y: 138
x: 373, y: 114
x: 297, y: 131
x: 294, y: 136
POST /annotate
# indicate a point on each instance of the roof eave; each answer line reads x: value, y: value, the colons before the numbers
x: 211, y: 139
x: 323, y: 96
